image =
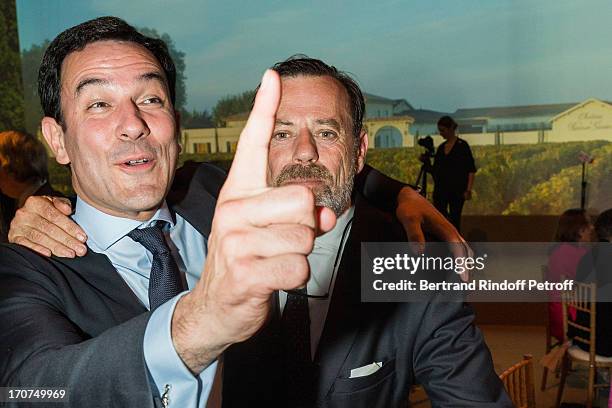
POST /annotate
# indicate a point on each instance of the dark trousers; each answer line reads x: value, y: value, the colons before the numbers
x: 450, y: 204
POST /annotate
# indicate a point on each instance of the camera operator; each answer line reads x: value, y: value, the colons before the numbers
x: 453, y: 171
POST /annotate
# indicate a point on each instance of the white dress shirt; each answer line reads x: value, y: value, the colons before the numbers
x: 326, y: 248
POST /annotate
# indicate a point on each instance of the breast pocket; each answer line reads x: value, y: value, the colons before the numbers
x: 377, y: 379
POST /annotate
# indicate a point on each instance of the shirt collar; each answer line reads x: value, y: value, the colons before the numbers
x: 331, y: 239
x: 103, y: 230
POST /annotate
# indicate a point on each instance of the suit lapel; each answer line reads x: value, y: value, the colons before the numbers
x: 98, y: 271
x: 344, y: 316
x: 342, y: 320
x: 196, y: 203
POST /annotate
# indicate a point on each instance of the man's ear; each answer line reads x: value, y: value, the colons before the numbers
x: 54, y: 136
x: 362, y: 150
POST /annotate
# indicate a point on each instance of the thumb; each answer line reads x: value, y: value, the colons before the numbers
x: 326, y: 220
x: 62, y: 204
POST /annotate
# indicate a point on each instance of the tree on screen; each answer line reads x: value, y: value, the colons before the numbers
x: 30, y: 60
x: 11, y: 98
x: 231, y: 105
x: 179, y: 61
x: 196, y: 119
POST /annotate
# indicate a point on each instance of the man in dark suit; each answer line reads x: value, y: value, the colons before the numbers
x: 357, y: 354
x: 108, y: 93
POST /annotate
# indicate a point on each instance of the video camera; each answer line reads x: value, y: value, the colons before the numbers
x: 428, y: 144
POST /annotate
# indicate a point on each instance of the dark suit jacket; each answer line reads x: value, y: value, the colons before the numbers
x: 435, y: 344
x: 75, y: 323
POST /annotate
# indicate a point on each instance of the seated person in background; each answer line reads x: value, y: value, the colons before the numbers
x: 596, y: 266
x: 23, y: 172
x: 575, y: 227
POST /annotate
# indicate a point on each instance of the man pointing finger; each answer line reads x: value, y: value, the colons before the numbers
x: 258, y: 245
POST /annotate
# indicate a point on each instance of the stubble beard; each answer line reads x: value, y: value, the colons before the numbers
x: 336, y: 198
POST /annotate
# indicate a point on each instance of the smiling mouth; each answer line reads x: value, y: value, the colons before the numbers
x: 142, y: 163
x: 136, y: 162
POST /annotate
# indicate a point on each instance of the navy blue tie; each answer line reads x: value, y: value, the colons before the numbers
x: 165, y: 279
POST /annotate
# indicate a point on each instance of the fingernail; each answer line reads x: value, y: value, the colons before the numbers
x: 81, y: 250
x: 81, y: 237
x: 66, y: 253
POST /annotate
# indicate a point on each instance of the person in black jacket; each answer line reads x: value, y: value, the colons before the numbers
x: 453, y: 172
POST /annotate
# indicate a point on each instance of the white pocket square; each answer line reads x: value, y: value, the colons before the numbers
x: 366, y: 370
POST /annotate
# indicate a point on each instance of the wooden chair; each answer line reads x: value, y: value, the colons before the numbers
x: 519, y: 383
x: 583, y: 299
x: 551, y: 341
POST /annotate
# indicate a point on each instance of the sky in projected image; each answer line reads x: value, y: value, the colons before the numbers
x: 440, y: 54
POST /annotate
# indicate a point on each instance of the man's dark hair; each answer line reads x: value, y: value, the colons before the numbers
x: 76, y: 39
x: 603, y: 225
x: 447, y: 122
x: 302, y: 65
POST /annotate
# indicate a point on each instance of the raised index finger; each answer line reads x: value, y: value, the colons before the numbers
x: 250, y: 166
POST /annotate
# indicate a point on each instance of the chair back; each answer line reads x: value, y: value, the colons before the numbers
x: 519, y: 383
x: 583, y: 299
